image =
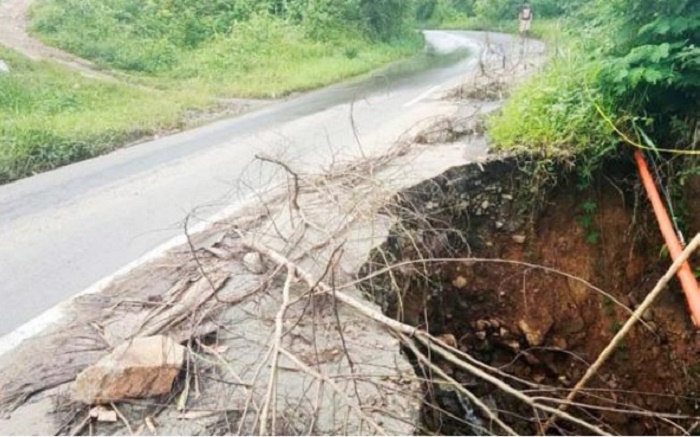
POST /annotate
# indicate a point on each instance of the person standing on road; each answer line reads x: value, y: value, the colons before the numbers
x: 525, y: 19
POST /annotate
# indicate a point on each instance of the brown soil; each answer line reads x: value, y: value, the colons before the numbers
x: 547, y: 328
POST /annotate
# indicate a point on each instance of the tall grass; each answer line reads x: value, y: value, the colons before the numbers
x: 555, y: 112
x: 50, y: 117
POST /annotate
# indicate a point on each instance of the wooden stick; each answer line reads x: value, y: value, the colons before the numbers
x: 610, y: 348
x: 124, y: 419
x: 473, y: 398
x: 411, y: 331
x: 336, y: 388
x: 271, y: 396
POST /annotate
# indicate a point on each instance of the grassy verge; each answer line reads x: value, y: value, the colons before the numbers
x: 261, y: 57
x: 554, y: 113
x: 51, y: 117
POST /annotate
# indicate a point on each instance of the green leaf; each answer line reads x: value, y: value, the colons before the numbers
x: 590, y: 207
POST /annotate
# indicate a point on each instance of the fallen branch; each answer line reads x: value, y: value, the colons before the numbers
x: 412, y: 332
x: 123, y: 418
x: 295, y: 197
x: 271, y: 395
x: 336, y: 388
x: 636, y: 316
x: 474, y: 399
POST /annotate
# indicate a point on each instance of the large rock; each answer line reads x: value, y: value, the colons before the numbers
x: 141, y: 368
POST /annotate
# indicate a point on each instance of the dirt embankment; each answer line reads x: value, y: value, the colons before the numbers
x: 538, y: 286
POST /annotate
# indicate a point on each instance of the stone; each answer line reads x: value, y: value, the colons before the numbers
x: 253, y: 261
x: 513, y: 345
x: 560, y: 343
x: 4, y: 68
x: 519, y: 239
x: 103, y: 414
x: 460, y: 282
x: 141, y: 368
x: 449, y: 340
x: 482, y: 325
x: 534, y: 336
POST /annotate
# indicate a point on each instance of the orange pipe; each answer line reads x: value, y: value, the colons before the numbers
x: 685, y: 274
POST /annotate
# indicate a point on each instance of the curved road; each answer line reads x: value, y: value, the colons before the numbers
x: 64, y: 230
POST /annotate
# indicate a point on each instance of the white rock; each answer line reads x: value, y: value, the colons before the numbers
x: 254, y: 262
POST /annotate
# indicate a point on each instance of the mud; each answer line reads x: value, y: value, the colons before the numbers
x: 542, y: 325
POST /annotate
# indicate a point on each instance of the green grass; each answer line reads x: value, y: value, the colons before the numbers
x: 553, y: 113
x: 50, y: 116
x: 263, y: 56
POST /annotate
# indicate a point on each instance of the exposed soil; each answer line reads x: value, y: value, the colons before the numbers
x: 14, y: 34
x: 537, y: 324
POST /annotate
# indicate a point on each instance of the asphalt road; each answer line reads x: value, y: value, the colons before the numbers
x: 64, y: 230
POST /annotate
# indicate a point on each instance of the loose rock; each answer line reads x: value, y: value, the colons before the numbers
x: 142, y: 368
x: 519, y: 239
x: 449, y: 340
x: 103, y: 414
x: 254, y: 262
x: 460, y: 282
x: 535, y: 337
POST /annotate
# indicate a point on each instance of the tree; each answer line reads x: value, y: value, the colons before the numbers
x: 387, y: 19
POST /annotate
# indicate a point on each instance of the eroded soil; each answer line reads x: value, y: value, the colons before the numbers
x: 546, y: 326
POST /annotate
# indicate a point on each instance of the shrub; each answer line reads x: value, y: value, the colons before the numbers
x: 653, y: 66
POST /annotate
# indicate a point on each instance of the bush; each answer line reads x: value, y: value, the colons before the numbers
x: 555, y: 112
x: 653, y: 68
x: 637, y: 61
x: 387, y: 20
x: 495, y: 10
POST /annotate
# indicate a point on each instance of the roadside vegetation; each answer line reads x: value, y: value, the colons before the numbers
x: 627, y: 76
x: 179, y: 57
x: 617, y: 64
x: 628, y: 65
x: 51, y: 117
x: 622, y: 73
x: 244, y: 48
